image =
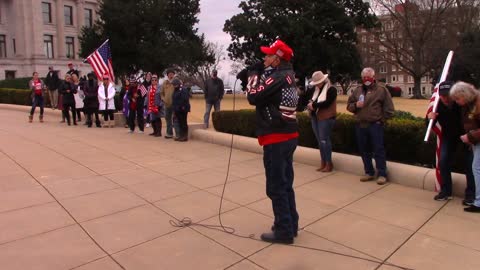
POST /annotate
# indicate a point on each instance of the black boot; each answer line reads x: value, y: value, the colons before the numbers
x: 154, y: 126
x: 158, y: 128
x: 272, y: 238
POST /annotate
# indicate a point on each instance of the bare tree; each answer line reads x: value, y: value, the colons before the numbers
x: 203, y: 72
x: 416, y: 35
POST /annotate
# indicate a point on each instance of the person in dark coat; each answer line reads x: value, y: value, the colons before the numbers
x: 52, y: 81
x: 67, y: 90
x: 181, y: 107
x: 214, y: 91
x: 91, y: 100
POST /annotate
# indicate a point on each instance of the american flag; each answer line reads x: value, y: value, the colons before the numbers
x: 437, y: 129
x: 143, y: 89
x: 432, y: 107
x: 101, y: 61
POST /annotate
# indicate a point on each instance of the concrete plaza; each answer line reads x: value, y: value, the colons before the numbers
x: 79, y: 198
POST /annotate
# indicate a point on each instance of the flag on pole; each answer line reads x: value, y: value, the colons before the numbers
x: 437, y: 128
x: 101, y: 61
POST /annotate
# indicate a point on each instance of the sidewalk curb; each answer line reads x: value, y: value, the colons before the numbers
x: 402, y: 174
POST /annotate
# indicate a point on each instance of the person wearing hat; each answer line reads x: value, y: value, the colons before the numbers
x: 106, y: 95
x: 52, y: 81
x: 449, y: 116
x: 214, y: 90
x: 181, y: 107
x: 155, y: 107
x: 132, y: 96
x: 91, y: 100
x: 372, y: 105
x: 323, y: 111
x: 72, y: 70
x: 275, y: 99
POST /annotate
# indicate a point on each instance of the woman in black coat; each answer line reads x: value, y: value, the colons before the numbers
x: 91, y: 100
x: 67, y: 90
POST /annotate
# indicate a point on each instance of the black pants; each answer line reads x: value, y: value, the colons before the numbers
x: 140, y: 118
x: 66, y: 112
x: 278, y: 162
x: 79, y: 114
x: 182, y: 124
x: 107, y: 114
x: 90, y: 120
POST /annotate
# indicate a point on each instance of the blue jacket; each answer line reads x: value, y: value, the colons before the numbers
x: 181, y: 100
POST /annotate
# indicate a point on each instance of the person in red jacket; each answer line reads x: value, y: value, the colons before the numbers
x: 275, y: 99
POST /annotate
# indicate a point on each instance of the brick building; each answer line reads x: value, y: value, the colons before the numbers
x: 373, y: 54
x: 35, y: 34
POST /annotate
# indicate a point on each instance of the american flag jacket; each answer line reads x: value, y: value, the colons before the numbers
x: 275, y: 98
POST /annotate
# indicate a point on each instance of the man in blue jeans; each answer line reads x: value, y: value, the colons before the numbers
x: 372, y: 105
x: 275, y: 99
x: 214, y: 91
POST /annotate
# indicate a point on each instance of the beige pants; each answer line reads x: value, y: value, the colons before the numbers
x: 53, y: 95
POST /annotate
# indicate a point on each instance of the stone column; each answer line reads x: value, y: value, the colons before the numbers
x: 59, y: 51
x: 80, y: 23
x: 20, y: 31
x: 37, y: 29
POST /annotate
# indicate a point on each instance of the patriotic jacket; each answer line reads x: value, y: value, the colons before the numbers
x: 275, y: 98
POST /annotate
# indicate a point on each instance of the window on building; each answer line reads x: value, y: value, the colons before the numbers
x: 88, y: 17
x: 394, y: 78
x: 70, y: 47
x: 383, y: 69
x: 3, y: 46
x: 68, y: 14
x: 410, y: 79
x: 423, y: 90
x: 48, y: 45
x: 10, y: 74
x: 394, y: 68
x: 410, y: 91
x: 382, y: 48
x: 14, y: 47
x: 424, y: 79
x: 371, y: 50
x: 364, y: 39
x: 372, y: 38
x: 47, y: 12
x: 400, y: 78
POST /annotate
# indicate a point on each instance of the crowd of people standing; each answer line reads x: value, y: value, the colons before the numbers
x: 144, y: 101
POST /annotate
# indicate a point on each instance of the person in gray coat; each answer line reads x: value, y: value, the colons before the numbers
x: 214, y: 91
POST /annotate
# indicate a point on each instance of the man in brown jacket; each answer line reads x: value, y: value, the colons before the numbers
x: 166, y: 94
x: 372, y: 105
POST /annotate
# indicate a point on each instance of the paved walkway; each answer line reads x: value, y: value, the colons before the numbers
x: 78, y: 198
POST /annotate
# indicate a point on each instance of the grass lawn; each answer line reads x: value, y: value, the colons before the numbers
x: 416, y: 107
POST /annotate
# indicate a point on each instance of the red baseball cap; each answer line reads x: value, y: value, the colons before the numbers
x: 278, y: 48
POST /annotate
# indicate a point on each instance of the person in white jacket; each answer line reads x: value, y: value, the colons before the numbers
x: 106, y: 94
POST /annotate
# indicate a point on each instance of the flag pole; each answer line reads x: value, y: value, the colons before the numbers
x: 446, y: 67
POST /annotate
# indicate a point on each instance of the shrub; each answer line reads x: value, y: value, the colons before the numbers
x: 15, y: 96
x: 403, y: 135
x: 19, y: 83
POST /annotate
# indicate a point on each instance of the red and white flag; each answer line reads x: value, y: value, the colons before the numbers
x: 101, y: 61
x: 143, y: 89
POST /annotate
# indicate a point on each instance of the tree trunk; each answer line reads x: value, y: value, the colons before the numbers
x: 417, y: 83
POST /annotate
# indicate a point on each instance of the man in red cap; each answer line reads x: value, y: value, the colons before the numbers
x: 72, y: 70
x: 275, y: 98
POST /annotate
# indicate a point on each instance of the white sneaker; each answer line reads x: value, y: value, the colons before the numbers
x: 148, y: 125
x: 130, y: 131
x: 139, y: 132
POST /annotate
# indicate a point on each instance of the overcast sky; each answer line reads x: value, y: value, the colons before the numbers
x: 213, y: 14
